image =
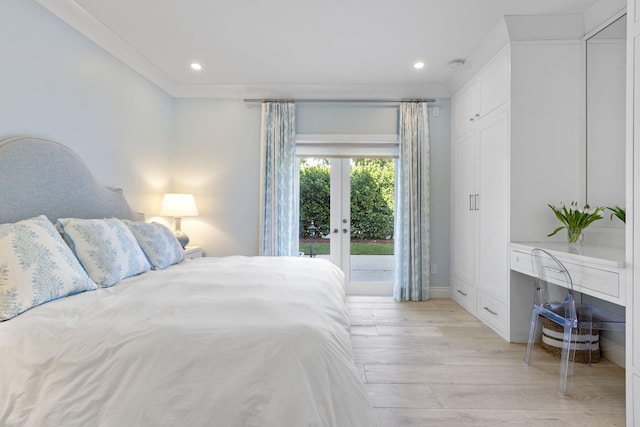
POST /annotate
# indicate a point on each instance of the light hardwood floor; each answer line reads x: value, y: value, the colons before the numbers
x: 433, y: 364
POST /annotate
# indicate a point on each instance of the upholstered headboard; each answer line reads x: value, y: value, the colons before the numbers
x: 41, y: 177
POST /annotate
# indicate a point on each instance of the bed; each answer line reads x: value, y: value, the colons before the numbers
x: 226, y: 341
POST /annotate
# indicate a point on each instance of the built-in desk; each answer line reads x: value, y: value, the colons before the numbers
x: 598, y: 271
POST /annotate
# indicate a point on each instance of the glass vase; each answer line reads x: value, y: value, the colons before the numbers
x: 575, y: 238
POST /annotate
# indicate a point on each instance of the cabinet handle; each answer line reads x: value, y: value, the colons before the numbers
x: 477, y: 115
x: 476, y: 203
x: 472, y: 120
x: 461, y: 293
x: 490, y: 311
x: 470, y: 202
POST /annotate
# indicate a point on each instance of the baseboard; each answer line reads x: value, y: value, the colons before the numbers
x: 439, y: 292
x: 386, y: 289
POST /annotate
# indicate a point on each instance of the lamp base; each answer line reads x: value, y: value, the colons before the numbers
x: 183, y: 239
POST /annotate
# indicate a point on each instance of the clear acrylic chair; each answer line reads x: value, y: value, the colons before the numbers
x: 573, y: 318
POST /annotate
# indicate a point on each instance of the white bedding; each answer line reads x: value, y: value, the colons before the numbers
x: 232, y: 341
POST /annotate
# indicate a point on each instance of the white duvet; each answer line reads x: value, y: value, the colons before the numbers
x: 235, y: 341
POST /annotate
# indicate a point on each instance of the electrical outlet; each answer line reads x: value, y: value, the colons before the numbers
x: 435, y: 111
x: 434, y: 268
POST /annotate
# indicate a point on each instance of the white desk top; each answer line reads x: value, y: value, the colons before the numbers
x: 600, y: 255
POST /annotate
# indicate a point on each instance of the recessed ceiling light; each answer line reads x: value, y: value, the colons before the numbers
x: 196, y: 66
x: 418, y: 65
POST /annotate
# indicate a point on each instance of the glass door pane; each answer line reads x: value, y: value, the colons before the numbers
x: 372, y: 220
x: 315, y: 207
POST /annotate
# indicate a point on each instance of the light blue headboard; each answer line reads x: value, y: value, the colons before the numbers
x: 41, y: 177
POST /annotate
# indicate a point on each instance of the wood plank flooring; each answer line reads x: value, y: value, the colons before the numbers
x: 433, y: 364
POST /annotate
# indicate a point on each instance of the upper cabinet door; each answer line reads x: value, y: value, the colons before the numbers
x: 466, y: 110
x: 486, y: 92
x: 494, y: 84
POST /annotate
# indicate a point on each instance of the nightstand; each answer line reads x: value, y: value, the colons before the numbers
x: 191, y: 252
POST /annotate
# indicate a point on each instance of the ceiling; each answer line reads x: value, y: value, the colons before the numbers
x: 293, y: 48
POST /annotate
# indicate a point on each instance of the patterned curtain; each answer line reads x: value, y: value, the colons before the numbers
x: 279, y: 203
x: 412, y: 205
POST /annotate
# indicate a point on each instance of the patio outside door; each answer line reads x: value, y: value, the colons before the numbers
x: 347, y: 208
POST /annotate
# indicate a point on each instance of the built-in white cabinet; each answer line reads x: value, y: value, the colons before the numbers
x: 480, y: 152
x: 465, y: 110
x: 482, y: 96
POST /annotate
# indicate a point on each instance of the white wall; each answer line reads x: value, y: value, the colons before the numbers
x: 56, y: 84
x: 216, y: 156
x: 440, y: 203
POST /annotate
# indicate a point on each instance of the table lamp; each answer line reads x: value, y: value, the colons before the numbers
x: 179, y: 206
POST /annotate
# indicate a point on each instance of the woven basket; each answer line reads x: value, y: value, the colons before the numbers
x: 552, y: 335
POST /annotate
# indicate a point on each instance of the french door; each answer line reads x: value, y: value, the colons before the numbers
x: 346, y: 216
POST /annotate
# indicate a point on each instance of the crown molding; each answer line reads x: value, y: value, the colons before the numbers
x: 86, y: 24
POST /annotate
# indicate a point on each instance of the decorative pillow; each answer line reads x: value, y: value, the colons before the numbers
x: 105, y: 247
x: 158, y: 243
x: 36, y: 266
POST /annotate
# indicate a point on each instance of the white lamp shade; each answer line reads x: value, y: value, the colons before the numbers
x: 178, y: 205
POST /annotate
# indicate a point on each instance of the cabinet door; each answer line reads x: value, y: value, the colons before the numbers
x: 465, y: 108
x: 493, y: 209
x: 494, y: 84
x: 464, y: 214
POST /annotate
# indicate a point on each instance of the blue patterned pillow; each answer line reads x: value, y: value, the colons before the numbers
x: 36, y: 266
x: 158, y: 243
x: 105, y: 247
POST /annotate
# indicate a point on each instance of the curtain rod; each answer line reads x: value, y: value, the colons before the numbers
x: 338, y: 101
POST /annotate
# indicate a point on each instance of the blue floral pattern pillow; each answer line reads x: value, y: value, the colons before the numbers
x: 158, y: 243
x: 36, y: 266
x: 105, y: 247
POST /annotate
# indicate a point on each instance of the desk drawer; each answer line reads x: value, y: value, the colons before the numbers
x: 521, y: 262
x: 493, y: 312
x: 601, y: 281
x: 598, y: 282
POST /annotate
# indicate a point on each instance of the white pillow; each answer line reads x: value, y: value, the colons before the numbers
x: 158, y: 243
x: 36, y: 266
x: 105, y: 247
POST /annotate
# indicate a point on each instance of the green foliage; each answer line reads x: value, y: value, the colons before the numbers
x: 371, y: 215
x: 314, y: 198
x: 372, y: 198
x: 619, y: 213
x: 574, y: 218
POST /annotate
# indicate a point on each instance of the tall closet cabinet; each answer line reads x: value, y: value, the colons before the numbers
x: 480, y: 153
